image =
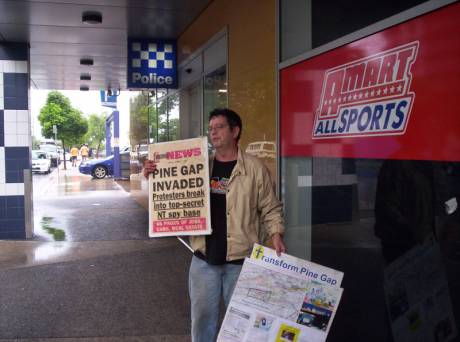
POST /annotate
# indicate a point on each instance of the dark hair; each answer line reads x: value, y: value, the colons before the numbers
x: 233, y: 119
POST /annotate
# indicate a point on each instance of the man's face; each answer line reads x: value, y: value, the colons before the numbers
x: 221, y: 134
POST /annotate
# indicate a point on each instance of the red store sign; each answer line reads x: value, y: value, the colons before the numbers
x: 390, y: 95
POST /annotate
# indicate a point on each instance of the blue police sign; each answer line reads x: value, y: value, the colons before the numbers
x: 152, y: 64
x: 108, y: 101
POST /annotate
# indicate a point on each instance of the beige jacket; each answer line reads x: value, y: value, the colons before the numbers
x: 253, y: 211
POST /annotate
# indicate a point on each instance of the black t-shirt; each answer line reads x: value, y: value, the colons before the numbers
x: 216, y: 243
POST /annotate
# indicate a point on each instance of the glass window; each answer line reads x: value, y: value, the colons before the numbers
x: 139, y: 119
x: 393, y: 228
x: 190, y: 111
x: 306, y: 24
x: 166, y: 117
x: 214, y: 92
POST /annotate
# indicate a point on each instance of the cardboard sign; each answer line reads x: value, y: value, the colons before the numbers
x: 179, y: 188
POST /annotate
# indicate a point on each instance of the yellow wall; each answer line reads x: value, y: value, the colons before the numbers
x: 251, y: 63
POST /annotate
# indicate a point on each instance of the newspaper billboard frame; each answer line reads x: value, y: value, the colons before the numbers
x: 179, y: 197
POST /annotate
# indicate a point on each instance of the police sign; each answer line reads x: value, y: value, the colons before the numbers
x: 152, y: 64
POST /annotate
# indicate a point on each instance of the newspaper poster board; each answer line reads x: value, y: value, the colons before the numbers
x: 280, y: 299
x: 179, y: 188
x: 417, y: 297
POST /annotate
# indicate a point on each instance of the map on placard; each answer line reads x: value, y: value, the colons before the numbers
x: 281, y: 298
x: 265, y: 289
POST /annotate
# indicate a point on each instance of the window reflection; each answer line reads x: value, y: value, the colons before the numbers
x: 166, y: 117
x: 393, y: 227
x: 215, y: 92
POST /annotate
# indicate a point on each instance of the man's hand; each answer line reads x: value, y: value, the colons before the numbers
x: 278, y: 244
x: 149, y: 167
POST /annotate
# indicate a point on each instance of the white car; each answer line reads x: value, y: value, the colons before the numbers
x: 53, y: 152
x: 41, y: 161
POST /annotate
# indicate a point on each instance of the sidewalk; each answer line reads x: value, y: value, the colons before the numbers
x: 106, y: 281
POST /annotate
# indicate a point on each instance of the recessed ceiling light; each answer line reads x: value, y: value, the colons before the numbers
x: 84, y: 88
x: 85, y: 77
x: 86, y: 61
x: 91, y: 18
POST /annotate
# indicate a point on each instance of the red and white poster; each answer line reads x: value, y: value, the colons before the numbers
x: 179, y: 188
x: 393, y: 94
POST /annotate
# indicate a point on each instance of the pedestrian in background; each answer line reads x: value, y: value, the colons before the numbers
x: 74, y: 155
x: 84, y: 151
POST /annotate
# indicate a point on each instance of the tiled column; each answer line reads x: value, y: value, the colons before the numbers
x: 15, y: 141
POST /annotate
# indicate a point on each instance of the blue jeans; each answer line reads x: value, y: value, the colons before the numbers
x: 207, y: 284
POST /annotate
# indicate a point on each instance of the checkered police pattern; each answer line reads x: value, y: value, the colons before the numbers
x: 152, y: 55
x: 15, y: 142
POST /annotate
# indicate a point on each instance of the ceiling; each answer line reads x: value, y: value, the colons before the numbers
x: 59, y: 39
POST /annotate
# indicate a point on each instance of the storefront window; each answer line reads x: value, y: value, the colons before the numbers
x: 304, y: 25
x: 373, y: 222
x: 296, y: 174
x: 393, y: 228
x: 167, y: 117
x: 214, y: 92
x: 139, y: 119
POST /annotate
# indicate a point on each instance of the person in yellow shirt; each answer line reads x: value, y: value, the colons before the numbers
x: 84, y: 151
x: 74, y: 155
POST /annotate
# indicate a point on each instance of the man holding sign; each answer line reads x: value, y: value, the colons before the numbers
x: 243, y: 203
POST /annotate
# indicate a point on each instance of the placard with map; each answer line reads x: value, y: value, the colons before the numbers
x: 275, y: 302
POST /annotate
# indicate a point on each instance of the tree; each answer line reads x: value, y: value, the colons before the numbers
x: 168, y: 128
x: 138, y: 127
x: 70, y: 123
x: 35, y: 143
x: 157, y: 115
x: 96, y: 131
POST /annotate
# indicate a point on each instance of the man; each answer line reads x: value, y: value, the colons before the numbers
x: 242, y: 198
x: 74, y: 155
x: 84, y: 152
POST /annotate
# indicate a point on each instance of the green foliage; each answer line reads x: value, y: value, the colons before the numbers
x: 143, y: 113
x: 168, y: 128
x: 71, y: 125
x: 35, y: 143
x: 96, y: 131
x: 138, y: 128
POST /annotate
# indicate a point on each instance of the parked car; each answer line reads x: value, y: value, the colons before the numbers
x: 53, y: 151
x: 41, y: 161
x: 143, y: 151
x: 99, y: 168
